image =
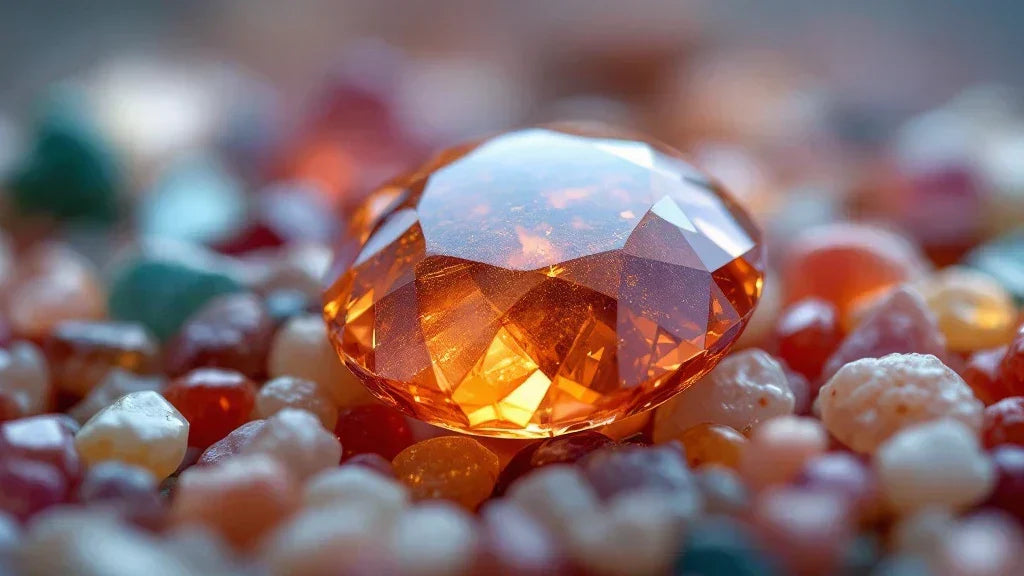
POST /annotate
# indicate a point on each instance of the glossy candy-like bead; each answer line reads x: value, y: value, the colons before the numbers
x: 81, y: 354
x: 301, y: 349
x: 973, y: 310
x: 232, y: 331
x: 214, y: 401
x: 41, y: 439
x: 807, y: 333
x: 869, y: 400
x: 455, y: 468
x: 712, y: 444
x: 560, y: 450
x: 1008, y: 494
x: 779, y: 448
x: 1004, y: 422
x: 745, y: 388
x: 373, y: 429
x: 24, y: 380
x: 846, y: 263
x: 243, y: 498
x: 142, y: 429
x: 290, y: 392
x: 899, y: 323
x: 296, y: 439
x: 659, y: 468
x: 114, y: 385
x: 982, y: 374
x: 232, y: 444
x: 937, y: 463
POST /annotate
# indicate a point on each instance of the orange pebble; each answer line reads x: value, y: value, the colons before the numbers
x: 242, y: 498
x: 454, y: 468
x: 846, y: 263
x: 709, y: 443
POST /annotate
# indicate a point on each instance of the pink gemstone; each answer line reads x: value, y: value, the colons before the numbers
x: 46, y: 439
x: 28, y: 487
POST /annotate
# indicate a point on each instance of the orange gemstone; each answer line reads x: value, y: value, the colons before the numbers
x: 544, y: 281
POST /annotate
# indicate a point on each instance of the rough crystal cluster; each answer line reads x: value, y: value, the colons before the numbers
x: 543, y: 281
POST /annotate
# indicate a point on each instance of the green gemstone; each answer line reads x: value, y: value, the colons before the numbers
x: 161, y: 292
x: 722, y: 547
x: 68, y: 172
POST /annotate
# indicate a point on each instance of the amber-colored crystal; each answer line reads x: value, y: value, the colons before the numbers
x: 544, y: 281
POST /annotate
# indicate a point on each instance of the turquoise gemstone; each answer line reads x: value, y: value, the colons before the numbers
x: 1003, y: 259
x: 722, y: 547
x: 161, y: 291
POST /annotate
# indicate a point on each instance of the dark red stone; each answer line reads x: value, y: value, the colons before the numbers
x: 233, y: 332
x: 372, y: 429
x: 561, y: 450
x: 214, y: 401
x: 1004, y: 422
x: 1008, y: 494
x: 807, y: 333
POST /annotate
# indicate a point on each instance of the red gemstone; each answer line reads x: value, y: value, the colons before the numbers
x: 1008, y: 494
x: 373, y: 428
x: 1004, y: 422
x: 232, y: 332
x: 561, y: 450
x: 214, y: 402
x: 1011, y: 369
x: 808, y: 332
x: 982, y: 374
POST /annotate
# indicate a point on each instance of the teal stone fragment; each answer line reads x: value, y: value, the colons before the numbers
x: 161, y: 291
x: 68, y: 172
x: 722, y: 547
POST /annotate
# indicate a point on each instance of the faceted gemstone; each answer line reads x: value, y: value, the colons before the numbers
x: 807, y: 333
x: 455, y: 468
x: 372, y: 429
x: 543, y: 281
x: 232, y: 331
x: 709, y: 443
x: 82, y: 353
x: 214, y: 402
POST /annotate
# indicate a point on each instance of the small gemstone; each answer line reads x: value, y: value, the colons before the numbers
x: 355, y: 484
x: 708, y: 443
x: 454, y: 468
x: 114, y: 385
x: 24, y: 380
x: 871, y: 399
x: 232, y: 444
x: 289, y: 392
x: 373, y: 429
x: 565, y: 449
x: 232, y: 332
x: 807, y: 333
x: 81, y: 354
x: 129, y: 490
x: 1008, y: 494
x: 1004, y: 422
x: 301, y: 349
x: 973, y: 310
x: 141, y: 429
x: 779, y: 449
x: 982, y: 374
x: 597, y: 277
x: 214, y: 402
x: 41, y: 439
x: 296, y: 439
x: 724, y: 546
x: 28, y: 487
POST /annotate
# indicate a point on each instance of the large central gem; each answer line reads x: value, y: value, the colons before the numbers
x: 544, y: 281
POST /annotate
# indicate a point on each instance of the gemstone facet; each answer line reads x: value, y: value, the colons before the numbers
x: 543, y: 281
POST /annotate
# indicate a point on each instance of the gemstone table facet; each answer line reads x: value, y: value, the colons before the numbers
x: 543, y: 281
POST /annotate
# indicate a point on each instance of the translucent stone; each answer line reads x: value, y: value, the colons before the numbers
x: 24, y: 380
x: 301, y: 349
x: 140, y: 428
x: 54, y: 284
x: 848, y: 476
x: 243, y: 499
x: 1008, y: 494
x: 558, y: 496
x: 346, y: 484
x: 455, y: 468
x: 296, y: 438
x: 129, y: 490
x: 232, y: 444
x: 81, y: 354
x: 214, y: 401
x: 807, y: 333
x: 986, y: 544
x: 869, y: 400
x: 1004, y: 422
x: 233, y: 332
x: 747, y: 387
x: 779, y: 449
x: 561, y: 450
x: 28, y: 487
x: 373, y: 429
x: 845, y: 264
x: 290, y: 392
x: 938, y: 463
x: 598, y: 276
x: 435, y: 539
x: 712, y: 444
x: 973, y: 310
x: 982, y: 374
x: 41, y: 439
x: 899, y: 322
x: 114, y: 385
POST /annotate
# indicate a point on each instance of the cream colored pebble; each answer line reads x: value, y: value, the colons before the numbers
x: 290, y: 392
x: 301, y: 349
x: 140, y: 428
x: 745, y: 388
x: 869, y: 400
x: 296, y: 439
x: 434, y: 539
x: 938, y: 463
x: 356, y: 484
